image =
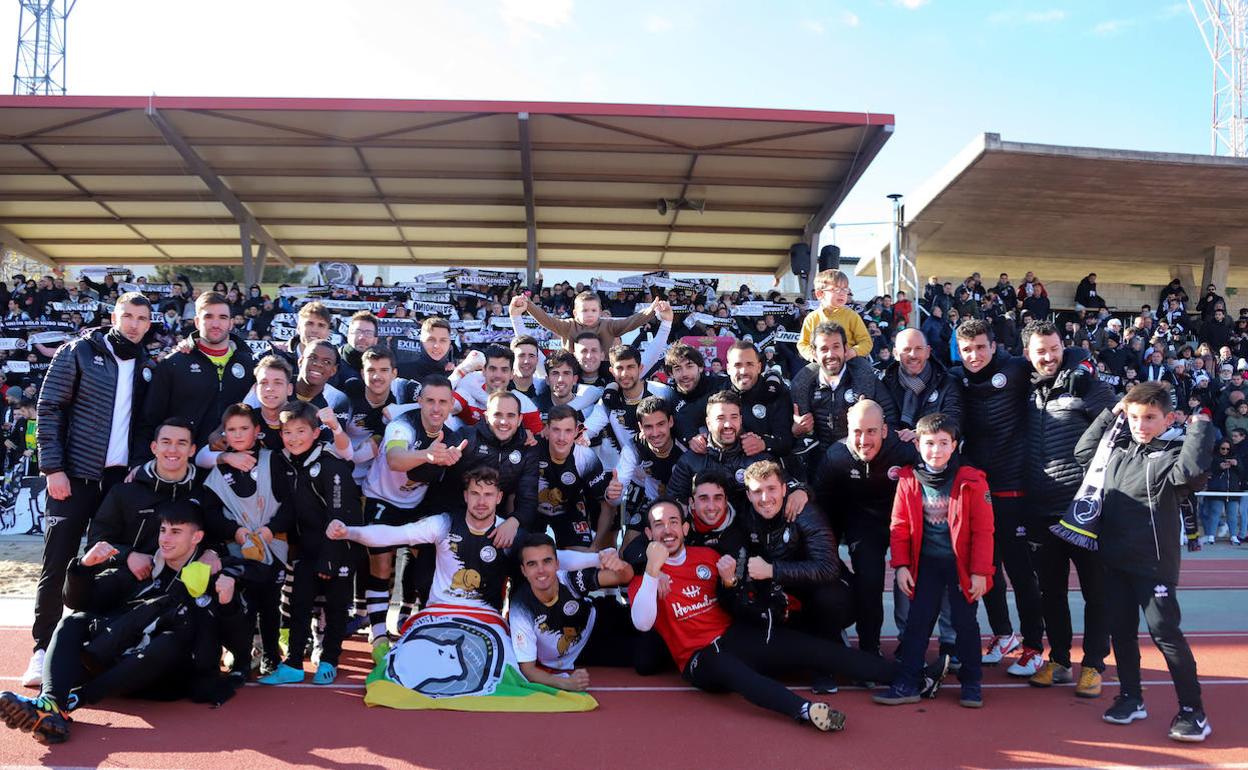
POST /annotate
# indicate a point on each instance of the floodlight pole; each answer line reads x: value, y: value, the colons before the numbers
x: 894, y: 255
x: 530, y: 207
x: 1223, y: 25
x: 40, y: 65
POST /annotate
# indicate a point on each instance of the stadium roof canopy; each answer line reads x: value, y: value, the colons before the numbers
x: 1131, y: 217
x: 108, y: 180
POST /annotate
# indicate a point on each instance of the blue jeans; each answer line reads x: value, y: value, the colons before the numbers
x: 937, y: 584
x: 1211, y: 510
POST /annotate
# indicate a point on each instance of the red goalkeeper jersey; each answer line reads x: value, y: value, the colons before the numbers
x: 690, y: 616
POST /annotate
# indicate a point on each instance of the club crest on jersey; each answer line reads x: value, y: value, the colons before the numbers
x: 568, y: 477
x: 315, y: 470
x: 514, y: 457
x: 740, y: 475
x: 571, y: 607
x: 785, y: 537
x: 759, y: 411
x: 932, y: 398
x: 147, y: 374
x: 894, y: 473
x: 998, y: 380
x: 237, y: 370
x: 703, y: 572
x: 850, y: 396
x: 488, y: 554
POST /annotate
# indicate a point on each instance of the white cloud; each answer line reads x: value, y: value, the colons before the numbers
x: 657, y: 25
x: 1041, y: 17
x: 814, y: 26
x: 911, y: 5
x: 1112, y: 26
x: 1172, y: 10
x: 850, y: 19
x: 525, y: 14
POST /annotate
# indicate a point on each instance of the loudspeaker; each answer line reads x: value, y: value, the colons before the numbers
x: 799, y: 258
x: 830, y: 257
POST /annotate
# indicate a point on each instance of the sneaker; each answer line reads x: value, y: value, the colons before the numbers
x: 824, y: 684
x: 1234, y: 540
x: 1190, y: 725
x: 825, y: 718
x: 896, y: 696
x: 268, y: 665
x: 999, y: 648
x: 1089, y: 683
x: 39, y: 716
x: 1051, y: 674
x: 972, y: 696
x: 934, y: 675
x: 955, y: 665
x: 356, y: 624
x: 1028, y: 663
x: 33, y: 677
x: 1125, y: 710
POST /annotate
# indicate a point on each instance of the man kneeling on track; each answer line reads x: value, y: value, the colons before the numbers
x: 718, y: 654
x: 159, y: 639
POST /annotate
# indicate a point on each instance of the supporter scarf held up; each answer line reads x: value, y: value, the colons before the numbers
x: 1081, y: 524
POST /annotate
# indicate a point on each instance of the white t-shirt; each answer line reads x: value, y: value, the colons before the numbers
x: 118, y: 453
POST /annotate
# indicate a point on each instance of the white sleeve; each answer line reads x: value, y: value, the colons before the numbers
x: 646, y: 604
x: 251, y: 399
x: 628, y: 464
x: 206, y: 457
x: 571, y: 561
x: 622, y: 436
x: 653, y: 351
x: 596, y: 420
x: 428, y: 530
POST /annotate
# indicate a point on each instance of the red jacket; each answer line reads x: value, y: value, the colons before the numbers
x: 970, y: 525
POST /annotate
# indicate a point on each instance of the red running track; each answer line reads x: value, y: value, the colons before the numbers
x: 653, y: 722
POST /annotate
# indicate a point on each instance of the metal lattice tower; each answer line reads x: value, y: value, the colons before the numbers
x: 40, y: 66
x: 1224, y: 26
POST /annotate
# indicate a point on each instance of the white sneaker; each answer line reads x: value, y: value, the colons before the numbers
x: 1000, y: 647
x: 34, y: 671
x: 1234, y: 540
x: 1028, y: 663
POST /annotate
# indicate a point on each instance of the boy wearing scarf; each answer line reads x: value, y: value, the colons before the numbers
x: 1146, y: 477
x: 941, y: 543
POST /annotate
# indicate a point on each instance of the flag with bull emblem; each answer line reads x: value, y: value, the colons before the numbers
x: 460, y: 658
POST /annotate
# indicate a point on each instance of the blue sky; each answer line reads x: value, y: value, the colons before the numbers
x: 1118, y: 73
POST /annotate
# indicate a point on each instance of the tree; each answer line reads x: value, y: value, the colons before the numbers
x: 205, y: 276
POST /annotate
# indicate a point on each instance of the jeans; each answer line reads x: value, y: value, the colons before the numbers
x: 936, y: 587
x: 1211, y: 510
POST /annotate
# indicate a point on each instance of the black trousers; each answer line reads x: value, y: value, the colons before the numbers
x: 65, y: 523
x: 337, y: 592
x: 1012, y: 554
x: 67, y: 667
x: 1128, y: 593
x: 826, y: 611
x: 745, y: 657
x: 1052, y: 558
x: 868, y: 552
x: 261, y: 602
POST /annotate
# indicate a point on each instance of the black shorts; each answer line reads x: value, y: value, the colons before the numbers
x: 571, y: 531
x: 388, y: 514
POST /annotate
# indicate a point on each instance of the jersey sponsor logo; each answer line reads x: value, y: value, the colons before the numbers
x: 514, y: 457
x: 195, y: 368
x: 854, y: 473
x: 568, y: 477
x: 894, y: 473
x: 488, y: 554
x: 998, y: 380
x: 1160, y: 591
x: 703, y: 572
x: 692, y: 591
x: 237, y: 370
x: 147, y: 374
x: 759, y: 411
x: 571, y: 607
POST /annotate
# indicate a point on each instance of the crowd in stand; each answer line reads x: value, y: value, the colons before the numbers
x: 267, y: 473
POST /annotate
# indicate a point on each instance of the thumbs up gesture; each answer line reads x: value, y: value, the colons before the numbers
x: 615, y: 488
x: 802, y: 423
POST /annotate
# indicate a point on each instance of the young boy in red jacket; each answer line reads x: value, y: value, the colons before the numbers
x: 941, y: 544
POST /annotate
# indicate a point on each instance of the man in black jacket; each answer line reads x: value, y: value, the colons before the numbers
x: 799, y: 555
x: 432, y: 355
x: 995, y: 387
x: 200, y: 383
x: 1065, y: 398
x: 856, y: 486
x: 693, y: 385
x: 919, y: 384
x: 87, y: 436
x: 824, y: 391
x: 766, y: 404
x: 158, y: 637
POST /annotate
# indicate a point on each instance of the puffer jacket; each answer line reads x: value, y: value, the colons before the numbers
x: 767, y: 409
x: 1144, y: 486
x: 942, y: 394
x: 186, y: 385
x: 831, y: 408
x: 517, y: 467
x: 129, y: 516
x: 802, y: 553
x: 76, y: 407
x: 730, y: 461
x: 994, y: 418
x: 1058, y: 412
